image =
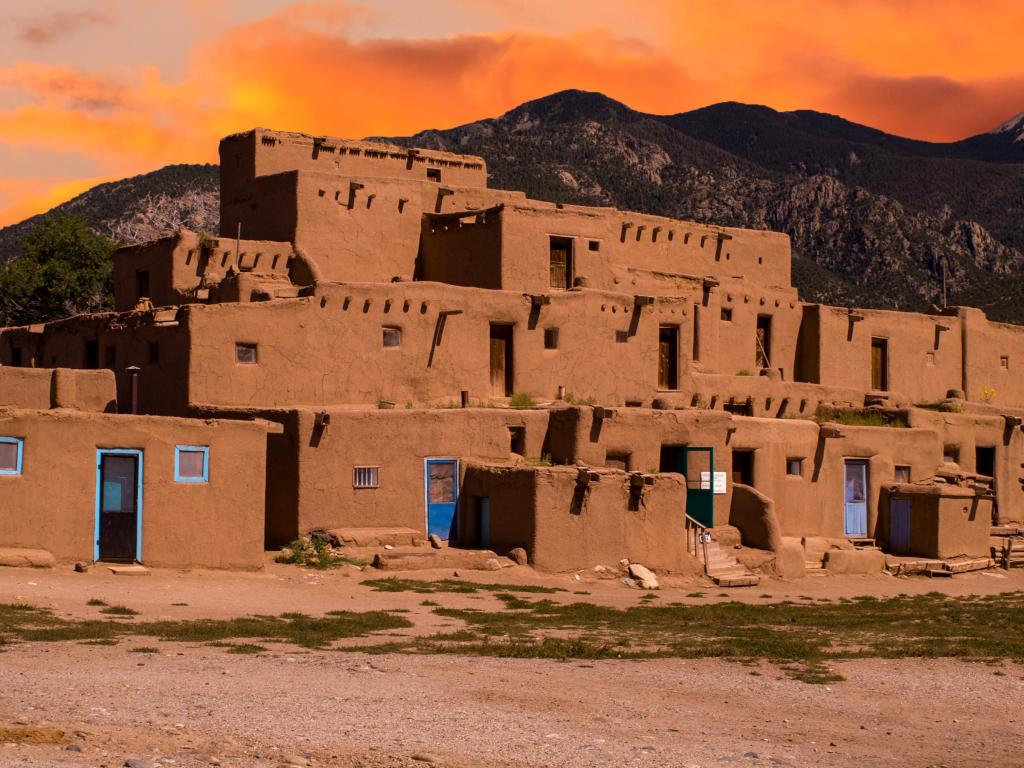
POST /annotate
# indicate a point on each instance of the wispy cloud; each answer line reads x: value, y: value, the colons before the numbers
x: 50, y: 27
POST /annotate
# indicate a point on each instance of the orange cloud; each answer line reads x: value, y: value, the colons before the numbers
x: 934, y: 69
x: 31, y: 196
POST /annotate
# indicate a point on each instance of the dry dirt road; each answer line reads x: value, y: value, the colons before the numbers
x: 192, y: 705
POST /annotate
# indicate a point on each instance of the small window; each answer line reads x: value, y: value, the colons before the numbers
x: 618, y: 460
x: 191, y: 464
x: 901, y: 474
x: 951, y: 454
x: 550, y: 338
x: 594, y: 245
x: 517, y: 440
x: 433, y: 174
x: 391, y: 336
x: 366, y: 477
x: 1004, y: 362
x: 621, y: 337
x: 92, y: 354
x: 154, y: 352
x: 795, y: 467
x: 245, y: 353
x: 12, y: 450
x: 727, y: 314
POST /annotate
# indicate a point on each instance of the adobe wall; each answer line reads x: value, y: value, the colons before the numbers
x: 42, y: 388
x: 541, y: 509
x: 398, y: 441
x: 945, y: 521
x: 215, y: 524
x: 262, y: 152
x: 152, y: 340
x: 813, y: 503
x: 994, y: 356
x: 179, y: 264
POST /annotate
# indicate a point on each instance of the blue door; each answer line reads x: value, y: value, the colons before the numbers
x: 899, y: 525
x: 856, y: 495
x: 442, y: 478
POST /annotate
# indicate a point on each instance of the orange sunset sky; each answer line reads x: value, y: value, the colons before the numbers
x: 94, y: 90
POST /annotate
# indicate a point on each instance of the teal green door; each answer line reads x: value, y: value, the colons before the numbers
x: 691, y: 462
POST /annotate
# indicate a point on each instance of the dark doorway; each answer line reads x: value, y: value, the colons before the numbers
x: 763, y: 341
x: 668, y: 357
x: 880, y: 364
x: 118, y: 505
x: 743, y: 467
x: 92, y: 354
x: 561, y: 262
x: 985, y: 461
x: 142, y: 284
x: 501, y: 360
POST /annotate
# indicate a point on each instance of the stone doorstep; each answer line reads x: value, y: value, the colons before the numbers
x: 378, y: 537
x: 126, y: 569
x: 749, y: 580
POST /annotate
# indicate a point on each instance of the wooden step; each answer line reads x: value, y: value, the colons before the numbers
x: 974, y: 564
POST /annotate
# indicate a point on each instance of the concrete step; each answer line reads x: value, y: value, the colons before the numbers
x: 378, y: 537
x: 729, y: 573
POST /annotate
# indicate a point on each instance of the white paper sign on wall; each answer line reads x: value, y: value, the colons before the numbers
x: 717, y: 486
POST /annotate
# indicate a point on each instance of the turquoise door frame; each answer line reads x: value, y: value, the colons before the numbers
x: 100, y: 453
x: 441, y: 495
x: 700, y: 502
x: 855, y: 495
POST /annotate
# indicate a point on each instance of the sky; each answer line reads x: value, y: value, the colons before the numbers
x: 97, y: 90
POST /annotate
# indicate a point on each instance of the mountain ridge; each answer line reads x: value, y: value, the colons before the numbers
x: 876, y: 220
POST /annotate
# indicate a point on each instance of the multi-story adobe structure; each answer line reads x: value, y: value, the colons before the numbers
x: 414, y: 349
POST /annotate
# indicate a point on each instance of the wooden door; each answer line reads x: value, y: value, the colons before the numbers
x: 668, y: 357
x: 879, y: 364
x: 501, y: 360
x: 561, y: 262
x: 899, y: 526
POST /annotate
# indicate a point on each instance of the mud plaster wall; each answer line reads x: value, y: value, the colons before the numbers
x: 944, y: 522
x: 994, y: 355
x: 397, y: 441
x: 42, y: 388
x: 160, y: 351
x: 215, y: 524
x: 538, y: 503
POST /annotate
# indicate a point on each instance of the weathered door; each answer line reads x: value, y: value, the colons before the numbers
x: 484, y: 521
x: 118, y: 504
x: 501, y: 360
x: 899, y: 525
x: 668, y: 357
x: 763, y: 342
x: 442, y: 478
x: 856, y: 498
x: 561, y: 262
x: 691, y: 463
x: 880, y: 364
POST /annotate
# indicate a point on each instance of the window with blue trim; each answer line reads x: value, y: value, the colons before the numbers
x: 12, y: 453
x: 191, y: 464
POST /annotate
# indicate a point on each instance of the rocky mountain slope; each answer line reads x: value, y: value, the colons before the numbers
x: 876, y: 220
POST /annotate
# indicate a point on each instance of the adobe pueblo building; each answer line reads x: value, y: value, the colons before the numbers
x: 377, y: 340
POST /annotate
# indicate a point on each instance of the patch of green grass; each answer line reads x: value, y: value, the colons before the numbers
x: 119, y: 610
x: 246, y: 648
x: 430, y: 603
x: 451, y: 585
x: 96, y: 601
x: 316, y: 554
x: 144, y: 649
x: 696, y: 594
x: 102, y: 641
x: 521, y: 400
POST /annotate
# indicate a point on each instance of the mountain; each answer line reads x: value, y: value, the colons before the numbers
x: 138, y: 208
x: 876, y: 220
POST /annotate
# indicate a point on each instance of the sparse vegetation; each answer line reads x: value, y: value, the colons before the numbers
x: 316, y: 553
x: 450, y: 585
x: 521, y: 400
x: 118, y: 610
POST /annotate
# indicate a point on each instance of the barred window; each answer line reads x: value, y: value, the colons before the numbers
x: 366, y: 477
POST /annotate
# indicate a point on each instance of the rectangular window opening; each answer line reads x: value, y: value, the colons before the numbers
x: 550, y: 338
x: 366, y: 477
x: 245, y: 354
x: 433, y: 174
x: 668, y: 357
x: 951, y: 454
x: 594, y: 245
x: 901, y: 473
x: 618, y: 460
x: 795, y: 467
x: 517, y: 440
x: 391, y: 336
x: 92, y: 354
x: 12, y: 450
x: 727, y: 314
x: 142, y: 284
x: 1004, y: 362
x: 743, y: 467
x: 154, y: 352
x: 191, y: 464
x: 763, y: 342
x: 16, y: 357
x: 879, y: 364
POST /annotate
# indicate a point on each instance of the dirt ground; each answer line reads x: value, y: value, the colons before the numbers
x: 191, y: 704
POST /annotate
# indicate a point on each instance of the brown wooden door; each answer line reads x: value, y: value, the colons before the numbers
x: 561, y: 263
x: 879, y: 364
x: 501, y: 360
x: 668, y: 357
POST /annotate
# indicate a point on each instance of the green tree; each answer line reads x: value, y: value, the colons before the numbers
x: 67, y: 270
